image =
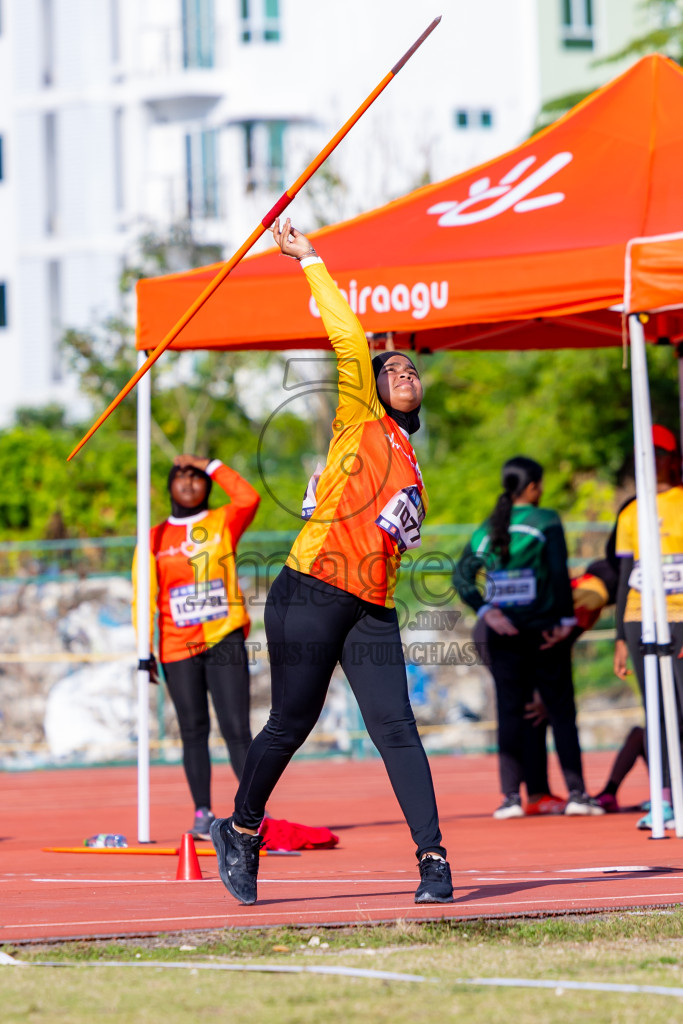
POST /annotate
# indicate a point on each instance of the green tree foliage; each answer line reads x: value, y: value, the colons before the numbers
x: 570, y: 410
x: 664, y: 36
x: 94, y: 494
x: 197, y: 406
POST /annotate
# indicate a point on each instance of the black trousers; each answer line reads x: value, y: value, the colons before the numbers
x: 633, y: 632
x: 519, y: 667
x: 222, y: 671
x: 310, y: 627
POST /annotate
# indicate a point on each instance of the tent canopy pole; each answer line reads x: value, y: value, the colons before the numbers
x: 144, y: 421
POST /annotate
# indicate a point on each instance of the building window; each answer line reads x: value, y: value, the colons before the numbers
x: 48, y: 42
x: 473, y: 118
x: 260, y: 21
x: 264, y: 154
x: 119, y: 197
x: 115, y: 31
x: 50, y: 174
x: 54, y: 299
x: 198, y: 34
x: 577, y: 24
x: 3, y: 304
x: 201, y: 163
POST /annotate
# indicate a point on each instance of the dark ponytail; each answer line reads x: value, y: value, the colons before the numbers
x: 517, y: 474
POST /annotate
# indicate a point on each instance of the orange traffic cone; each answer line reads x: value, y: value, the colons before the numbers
x: 188, y: 861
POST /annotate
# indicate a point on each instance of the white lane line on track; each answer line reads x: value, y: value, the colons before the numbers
x: 345, y: 972
x: 582, y: 986
x: 333, y: 879
x: 302, y: 881
x: 298, y: 914
x: 305, y: 882
x: 552, y: 880
x: 609, y: 869
x: 559, y: 985
x: 261, y: 882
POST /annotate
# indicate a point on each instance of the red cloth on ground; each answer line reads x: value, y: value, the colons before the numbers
x: 279, y: 834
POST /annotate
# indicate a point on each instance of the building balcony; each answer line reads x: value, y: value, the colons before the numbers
x: 176, y: 81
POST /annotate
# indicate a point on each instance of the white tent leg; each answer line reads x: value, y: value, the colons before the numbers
x: 653, y: 593
x: 143, y: 598
x: 666, y: 672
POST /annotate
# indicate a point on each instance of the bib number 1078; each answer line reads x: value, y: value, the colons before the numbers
x: 402, y: 518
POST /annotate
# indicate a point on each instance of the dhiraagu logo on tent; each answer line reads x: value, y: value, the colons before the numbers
x: 513, y: 192
x: 418, y: 299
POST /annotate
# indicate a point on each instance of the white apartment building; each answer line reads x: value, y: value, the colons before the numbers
x: 120, y: 115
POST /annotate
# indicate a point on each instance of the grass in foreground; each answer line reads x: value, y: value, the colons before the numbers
x: 642, y: 949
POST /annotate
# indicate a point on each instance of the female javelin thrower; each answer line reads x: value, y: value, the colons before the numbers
x: 333, y: 600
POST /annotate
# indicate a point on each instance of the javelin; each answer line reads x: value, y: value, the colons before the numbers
x: 282, y: 204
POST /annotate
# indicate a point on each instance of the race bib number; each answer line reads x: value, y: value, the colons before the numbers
x: 198, y: 602
x: 310, y: 497
x: 512, y: 587
x: 402, y: 518
x: 672, y: 571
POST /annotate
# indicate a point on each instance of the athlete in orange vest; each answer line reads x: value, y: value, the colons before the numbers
x: 334, y: 599
x: 202, y: 617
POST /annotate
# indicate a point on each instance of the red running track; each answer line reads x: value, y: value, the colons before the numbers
x: 529, y: 866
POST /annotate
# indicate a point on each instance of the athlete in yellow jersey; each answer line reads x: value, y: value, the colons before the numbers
x: 628, y: 612
x: 333, y: 601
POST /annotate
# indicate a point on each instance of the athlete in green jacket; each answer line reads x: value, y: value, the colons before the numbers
x: 513, y: 573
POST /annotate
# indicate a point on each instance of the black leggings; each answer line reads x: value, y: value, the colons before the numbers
x: 223, y: 671
x: 633, y: 632
x: 519, y: 667
x: 310, y: 626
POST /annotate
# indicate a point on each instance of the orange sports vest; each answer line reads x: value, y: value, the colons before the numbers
x: 367, y: 505
x: 193, y: 582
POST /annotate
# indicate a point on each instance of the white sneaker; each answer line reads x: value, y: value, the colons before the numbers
x: 511, y: 807
x: 582, y: 804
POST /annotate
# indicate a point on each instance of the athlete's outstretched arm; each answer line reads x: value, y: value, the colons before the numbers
x: 357, y: 389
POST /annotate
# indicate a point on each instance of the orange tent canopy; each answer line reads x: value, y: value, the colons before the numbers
x: 526, y: 251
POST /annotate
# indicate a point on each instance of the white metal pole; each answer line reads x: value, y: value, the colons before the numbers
x: 652, y: 580
x: 647, y: 526
x: 654, y: 557
x: 143, y: 597
x: 663, y: 631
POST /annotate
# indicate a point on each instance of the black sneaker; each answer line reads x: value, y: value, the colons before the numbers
x: 435, y: 881
x: 238, y: 859
x: 202, y: 823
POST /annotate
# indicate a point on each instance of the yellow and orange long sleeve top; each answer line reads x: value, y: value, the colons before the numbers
x: 367, y: 505
x: 670, y: 514
x: 193, y: 579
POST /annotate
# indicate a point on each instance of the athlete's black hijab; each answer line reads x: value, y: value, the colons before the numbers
x: 180, y: 511
x: 409, y: 421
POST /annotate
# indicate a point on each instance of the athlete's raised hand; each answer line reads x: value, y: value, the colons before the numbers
x: 292, y: 242
x: 188, y: 461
